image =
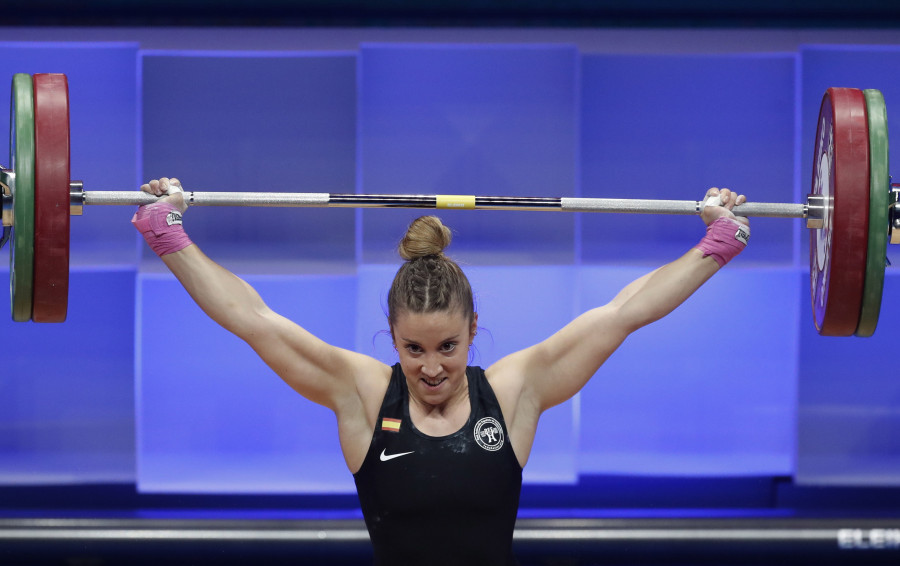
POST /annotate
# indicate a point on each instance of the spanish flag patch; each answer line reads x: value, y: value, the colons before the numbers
x: 392, y: 425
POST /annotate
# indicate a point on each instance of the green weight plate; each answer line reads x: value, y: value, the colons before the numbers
x: 21, y: 157
x: 879, y: 213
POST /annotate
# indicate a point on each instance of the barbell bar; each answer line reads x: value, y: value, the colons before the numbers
x: 79, y: 198
x: 851, y: 212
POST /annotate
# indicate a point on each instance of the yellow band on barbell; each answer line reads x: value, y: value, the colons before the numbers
x: 459, y: 202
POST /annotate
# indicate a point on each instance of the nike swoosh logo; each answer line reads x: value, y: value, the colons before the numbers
x: 386, y: 457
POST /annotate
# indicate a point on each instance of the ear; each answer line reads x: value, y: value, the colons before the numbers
x: 474, y: 328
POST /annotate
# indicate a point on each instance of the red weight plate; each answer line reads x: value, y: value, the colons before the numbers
x: 841, y: 176
x: 51, y: 196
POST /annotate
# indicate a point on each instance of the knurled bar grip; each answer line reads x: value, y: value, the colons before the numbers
x: 646, y: 206
x: 461, y: 202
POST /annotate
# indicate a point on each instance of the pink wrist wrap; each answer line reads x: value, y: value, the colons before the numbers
x: 725, y: 238
x: 160, y: 224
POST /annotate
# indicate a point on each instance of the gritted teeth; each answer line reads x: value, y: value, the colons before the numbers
x: 434, y: 383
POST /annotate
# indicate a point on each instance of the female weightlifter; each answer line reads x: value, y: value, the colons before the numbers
x: 437, y: 447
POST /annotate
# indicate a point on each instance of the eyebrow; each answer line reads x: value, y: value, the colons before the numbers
x: 445, y: 340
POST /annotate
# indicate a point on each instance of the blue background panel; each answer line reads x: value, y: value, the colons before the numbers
x: 480, y: 119
x: 263, y: 123
x: 848, y: 402
x: 67, y: 390
x: 667, y: 127
x: 373, y: 336
x: 707, y: 391
x: 734, y: 383
x: 103, y: 124
x: 848, y: 392
x: 212, y: 417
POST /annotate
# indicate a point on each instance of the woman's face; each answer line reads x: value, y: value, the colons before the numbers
x: 434, y: 352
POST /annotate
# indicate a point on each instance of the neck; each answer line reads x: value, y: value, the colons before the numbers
x: 457, y: 398
x: 441, y: 418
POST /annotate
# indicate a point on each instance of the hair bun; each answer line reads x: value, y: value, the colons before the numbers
x: 425, y: 236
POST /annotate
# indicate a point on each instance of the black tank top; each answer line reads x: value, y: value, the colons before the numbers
x: 440, y: 500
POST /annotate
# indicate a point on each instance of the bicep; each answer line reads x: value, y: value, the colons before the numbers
x: 323, y: 373
x: 554, y: 370
x: 559, y: 367
x: 350, y: 384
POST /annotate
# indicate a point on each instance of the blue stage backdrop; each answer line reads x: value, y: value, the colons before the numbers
x: 139, y: 386
x: 67, y: 391
x: 849, y: 394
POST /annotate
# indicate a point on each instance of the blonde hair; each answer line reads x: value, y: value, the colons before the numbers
x: 428, y: 281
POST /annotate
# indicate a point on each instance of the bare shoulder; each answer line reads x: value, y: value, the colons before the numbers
x: 357, y: 412
x: 508, y: 377
x: 370, y: 378
x: 504, y: 371
x: 511, y: 370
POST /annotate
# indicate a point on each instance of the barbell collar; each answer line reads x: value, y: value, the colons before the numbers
x: 894, y: 224
x: 815, y: 211
x: 7, y: 183
x: 76, y: 198
x: 6, y: 204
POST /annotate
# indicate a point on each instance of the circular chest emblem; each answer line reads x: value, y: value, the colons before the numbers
x: 489, y: 434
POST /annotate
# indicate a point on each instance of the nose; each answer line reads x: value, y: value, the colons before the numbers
x: 431, y: 366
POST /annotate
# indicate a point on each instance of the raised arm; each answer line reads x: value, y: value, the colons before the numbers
x: 544, y: 375
x: 318, y: 371
x: 325, y: 374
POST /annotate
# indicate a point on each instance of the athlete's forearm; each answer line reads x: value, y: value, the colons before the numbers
x: 223, y: 296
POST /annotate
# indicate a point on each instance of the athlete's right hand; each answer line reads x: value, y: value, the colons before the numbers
x: 169, y: 189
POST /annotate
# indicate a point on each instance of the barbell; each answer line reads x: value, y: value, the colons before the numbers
x: 851, y: 212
